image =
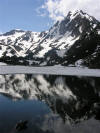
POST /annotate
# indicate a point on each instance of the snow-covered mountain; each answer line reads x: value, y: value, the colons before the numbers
x: 73, y: 41
x: 74, y: 98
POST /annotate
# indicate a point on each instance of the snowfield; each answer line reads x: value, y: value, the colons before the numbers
x: 2, y: 64
x: 50, y: 70
x: 67, y: 42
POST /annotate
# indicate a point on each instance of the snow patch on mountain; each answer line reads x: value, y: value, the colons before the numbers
x: 48, y: 47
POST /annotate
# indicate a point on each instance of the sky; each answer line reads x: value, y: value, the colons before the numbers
x: 23, y: 14
x: 40, y: 15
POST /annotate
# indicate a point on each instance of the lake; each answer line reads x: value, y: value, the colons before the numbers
x: 49, y: 103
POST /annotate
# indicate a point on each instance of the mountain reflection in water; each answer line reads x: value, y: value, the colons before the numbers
x: 50, y: 104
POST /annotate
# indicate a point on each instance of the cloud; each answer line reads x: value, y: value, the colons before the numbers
x: 57, y: 9
x: 41, y: 12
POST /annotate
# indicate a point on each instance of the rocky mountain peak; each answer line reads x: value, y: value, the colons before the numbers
x: 75, y: 37
x: 79, y: 13
x: 75, y: 23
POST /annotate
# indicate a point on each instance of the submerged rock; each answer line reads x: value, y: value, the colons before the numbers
x: 21, y: 125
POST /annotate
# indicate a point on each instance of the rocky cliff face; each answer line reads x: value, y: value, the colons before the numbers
x: 73, y: 41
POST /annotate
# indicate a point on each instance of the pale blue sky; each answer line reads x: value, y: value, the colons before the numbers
x: 22, y: 14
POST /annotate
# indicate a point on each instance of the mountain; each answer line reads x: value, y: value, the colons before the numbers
x: 74, y: 41
x: 75, y: 99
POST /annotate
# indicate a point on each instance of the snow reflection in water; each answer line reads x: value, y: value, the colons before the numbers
x: 50, y: 103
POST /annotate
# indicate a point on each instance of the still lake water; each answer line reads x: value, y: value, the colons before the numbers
x: 49, y: 103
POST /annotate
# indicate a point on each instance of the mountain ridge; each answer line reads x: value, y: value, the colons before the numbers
x: 72, y: 41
